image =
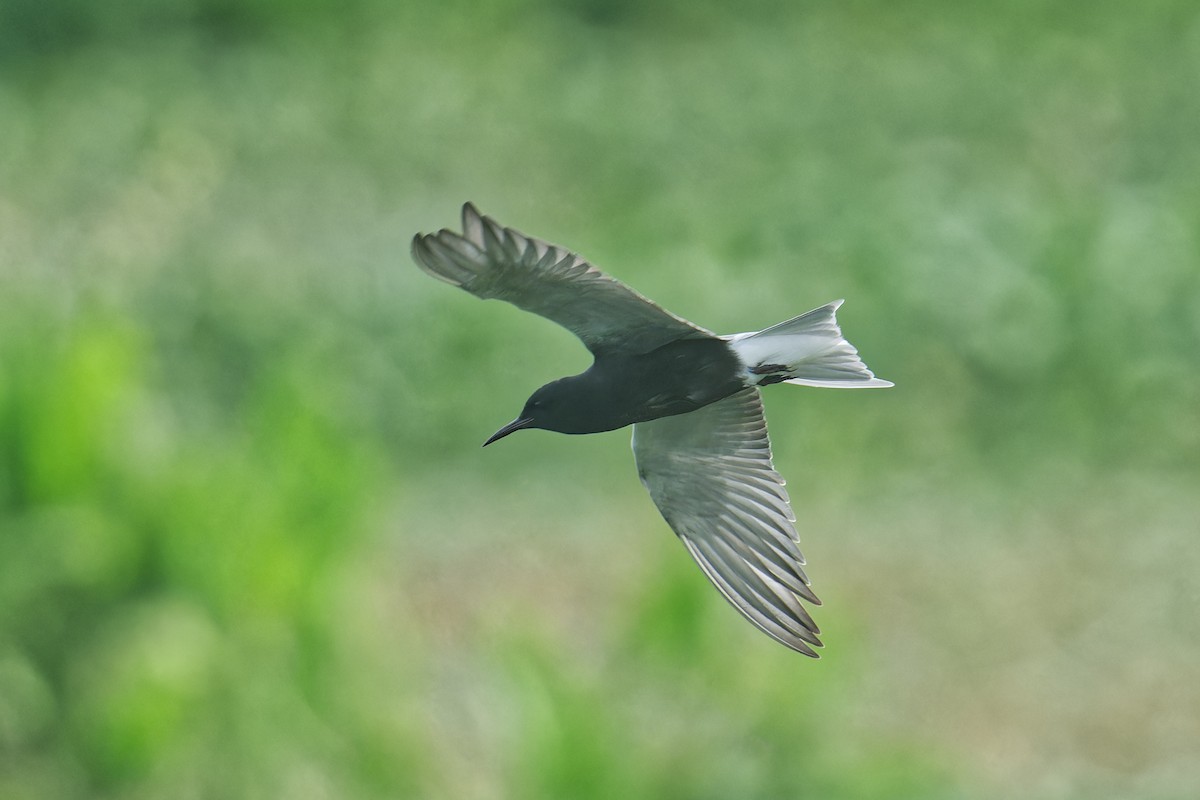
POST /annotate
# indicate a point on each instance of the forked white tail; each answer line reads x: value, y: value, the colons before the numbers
x: 808, y: 350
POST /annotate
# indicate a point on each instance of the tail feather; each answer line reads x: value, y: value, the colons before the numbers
x: 808, y: 350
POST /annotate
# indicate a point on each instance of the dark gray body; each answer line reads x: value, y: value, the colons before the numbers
x: 620, y: 388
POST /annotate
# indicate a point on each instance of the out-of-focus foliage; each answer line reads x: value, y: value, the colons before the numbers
x: 249, y: 546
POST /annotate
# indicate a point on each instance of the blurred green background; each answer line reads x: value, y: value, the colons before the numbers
x: 249, y: 545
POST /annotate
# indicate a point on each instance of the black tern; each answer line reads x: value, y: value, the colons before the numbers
x: 692, y: 397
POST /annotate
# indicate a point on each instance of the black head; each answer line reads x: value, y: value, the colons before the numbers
x: 563, y: 406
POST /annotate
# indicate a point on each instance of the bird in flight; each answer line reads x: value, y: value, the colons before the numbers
x: 692, y: 397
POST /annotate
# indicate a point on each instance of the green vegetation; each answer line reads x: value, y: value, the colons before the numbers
x: 249, y: 546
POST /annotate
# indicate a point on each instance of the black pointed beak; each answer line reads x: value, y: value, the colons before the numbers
x: 512, y: 427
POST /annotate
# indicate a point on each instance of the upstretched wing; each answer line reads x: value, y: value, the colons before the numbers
x: 710, y: 474
x: 491, y: 261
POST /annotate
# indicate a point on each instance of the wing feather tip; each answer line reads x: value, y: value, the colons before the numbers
x: 472, y: 224
x: 424, y: 257
x: 435, y: 256
x: 804, y: 650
